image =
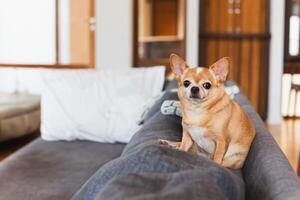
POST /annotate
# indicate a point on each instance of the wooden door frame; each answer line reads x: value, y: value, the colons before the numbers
x: 57, y: 65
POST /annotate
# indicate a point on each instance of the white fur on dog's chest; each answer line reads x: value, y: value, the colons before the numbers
x: 197, y: 134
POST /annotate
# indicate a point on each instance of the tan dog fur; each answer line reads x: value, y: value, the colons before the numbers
x: 213, y: 121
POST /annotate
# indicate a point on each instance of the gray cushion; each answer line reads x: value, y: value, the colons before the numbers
x: 52, y: 170
x: 19, y: 115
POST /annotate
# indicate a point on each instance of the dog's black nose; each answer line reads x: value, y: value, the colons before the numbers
x: 194, y: 90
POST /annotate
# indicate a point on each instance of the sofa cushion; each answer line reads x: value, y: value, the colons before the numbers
x: 52, y: 170
x: 19, y: 115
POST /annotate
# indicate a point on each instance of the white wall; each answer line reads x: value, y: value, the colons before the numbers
x: 276, y: 61
x: 114, y: 33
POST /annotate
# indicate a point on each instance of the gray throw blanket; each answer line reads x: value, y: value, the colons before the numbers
x: 146, y: 170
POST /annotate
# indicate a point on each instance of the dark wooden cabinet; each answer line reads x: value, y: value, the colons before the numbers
x: 238, y: 29
x: 165, y: 17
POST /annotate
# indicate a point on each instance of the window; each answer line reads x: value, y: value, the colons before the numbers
x: 48, y: 33
x: 292, y: 31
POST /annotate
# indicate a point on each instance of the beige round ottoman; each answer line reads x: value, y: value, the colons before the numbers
x: 19, y: 115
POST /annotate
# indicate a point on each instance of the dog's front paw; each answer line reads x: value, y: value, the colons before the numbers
x: 174, y: 145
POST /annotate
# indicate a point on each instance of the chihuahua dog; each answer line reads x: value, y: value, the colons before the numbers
x: 212, y: 123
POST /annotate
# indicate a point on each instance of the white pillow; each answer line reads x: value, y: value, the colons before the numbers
x: 96, y: 105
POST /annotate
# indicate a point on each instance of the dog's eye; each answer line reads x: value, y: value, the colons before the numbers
x: 207, y: 85
x: 186, y: 83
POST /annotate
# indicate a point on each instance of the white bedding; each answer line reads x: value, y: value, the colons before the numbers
x: 97, y: 105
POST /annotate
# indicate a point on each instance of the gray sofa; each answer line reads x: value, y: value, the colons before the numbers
x: 145, y: 170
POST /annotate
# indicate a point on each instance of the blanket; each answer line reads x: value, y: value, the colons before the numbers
x: 146, y: 170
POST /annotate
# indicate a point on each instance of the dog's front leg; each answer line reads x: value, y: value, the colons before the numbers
x: 220, y: 150
x: 186, y: 142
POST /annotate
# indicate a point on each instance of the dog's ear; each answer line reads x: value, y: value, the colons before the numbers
x: 178, y: 65
x: 220, y: 69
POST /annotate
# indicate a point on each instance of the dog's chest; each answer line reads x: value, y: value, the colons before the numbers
x: 198, y: 133
x: 204, y: 142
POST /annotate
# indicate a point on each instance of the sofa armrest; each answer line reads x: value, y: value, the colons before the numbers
x: 267, y: 172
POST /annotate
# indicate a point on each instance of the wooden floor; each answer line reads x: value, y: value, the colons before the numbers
x: 9, y: 147
x: 287, y: 135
